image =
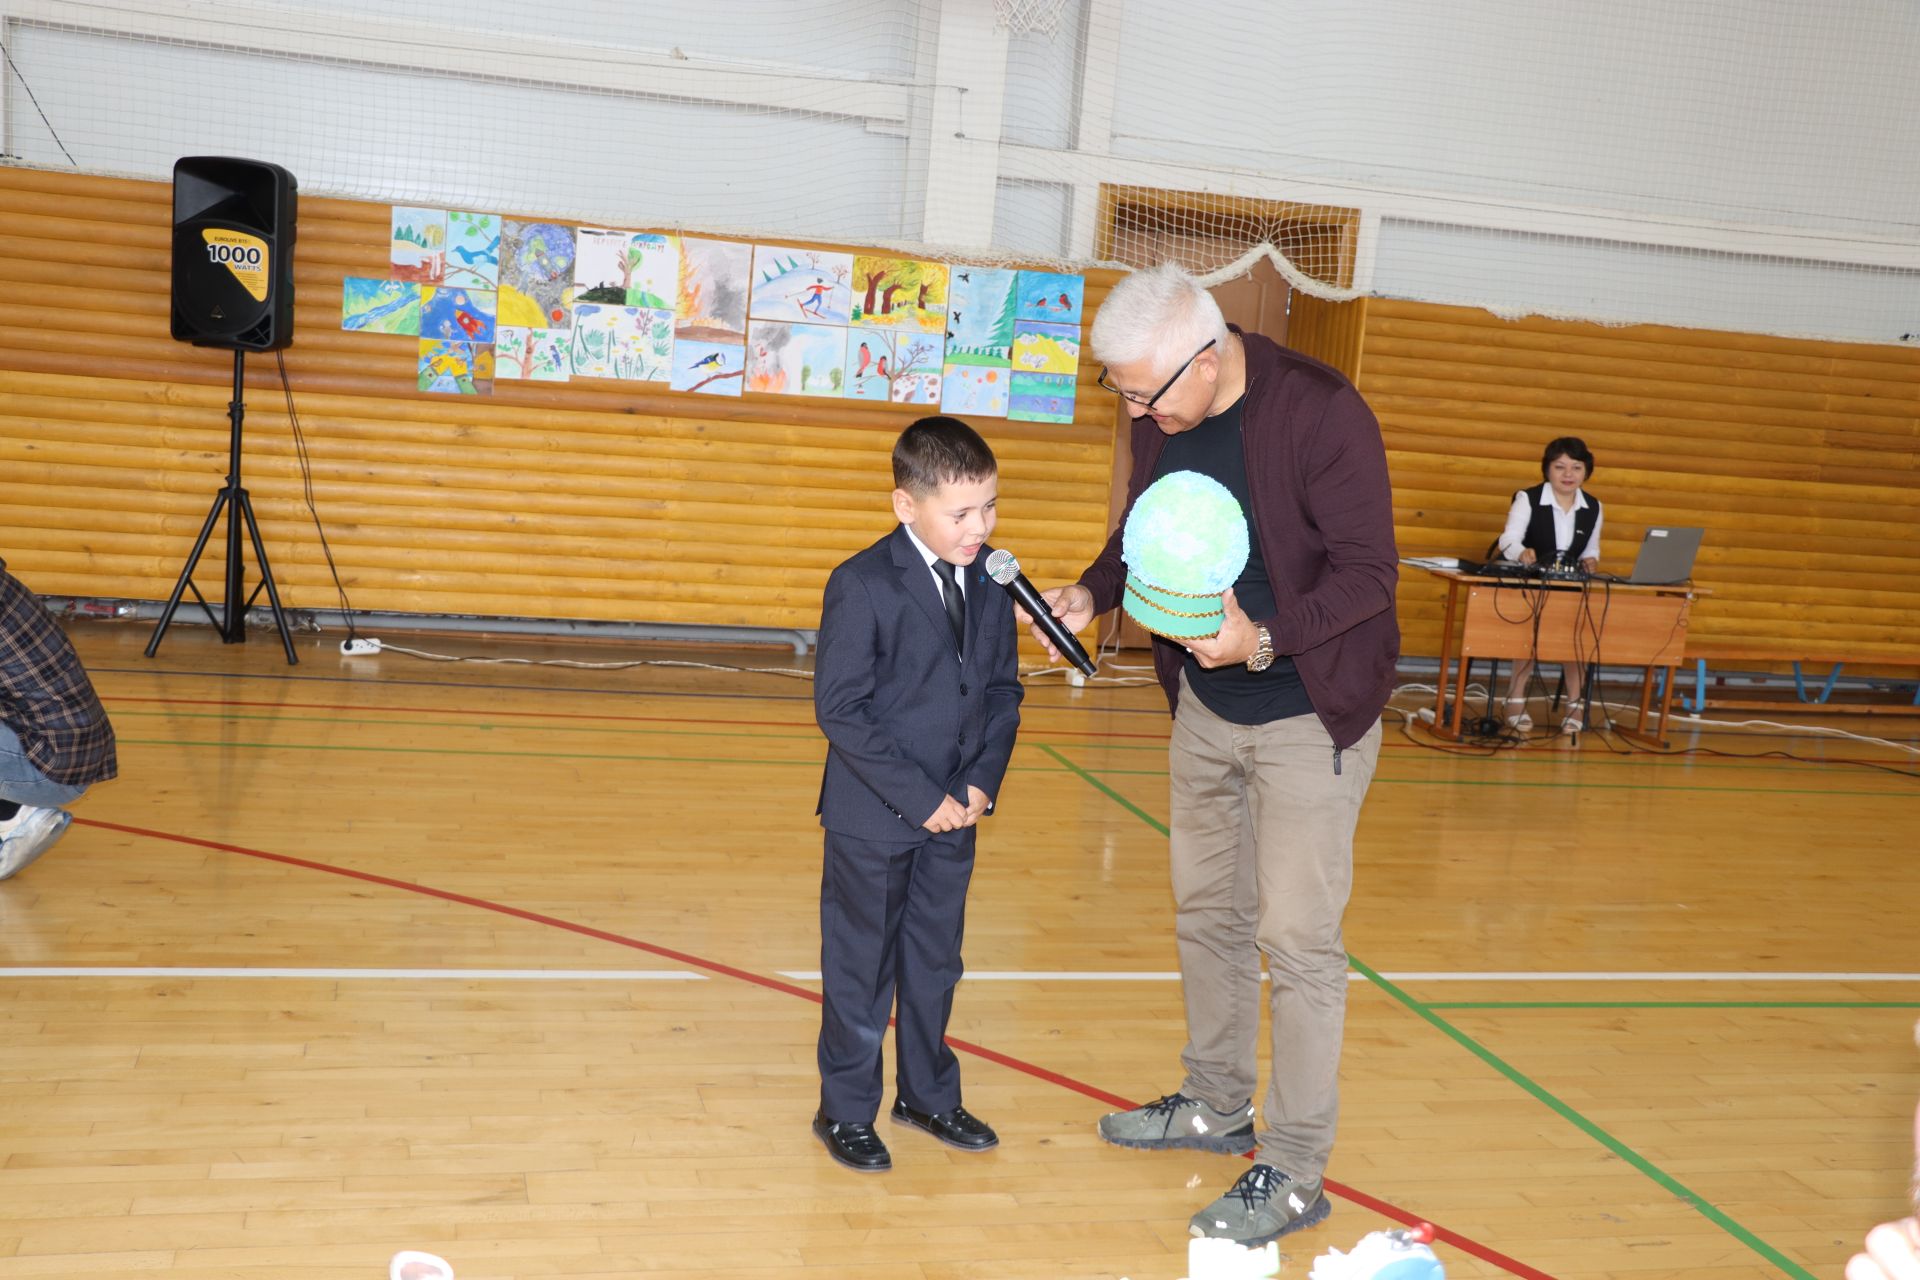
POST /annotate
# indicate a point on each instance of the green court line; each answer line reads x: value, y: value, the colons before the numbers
x: 1666, y: 1181
x: 812, y: 762
x: 1673, y: 1004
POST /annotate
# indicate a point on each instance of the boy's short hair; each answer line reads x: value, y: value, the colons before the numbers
x: 938, y: 451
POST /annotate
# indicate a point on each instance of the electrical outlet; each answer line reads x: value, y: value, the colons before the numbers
x: 359, y: 648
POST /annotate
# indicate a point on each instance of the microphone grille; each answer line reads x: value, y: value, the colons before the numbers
x: 1002, y: 567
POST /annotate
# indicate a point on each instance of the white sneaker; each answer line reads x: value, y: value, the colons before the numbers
x: 28, y: 834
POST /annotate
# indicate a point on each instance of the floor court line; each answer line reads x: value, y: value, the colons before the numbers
x: 1444, y: 1235
x: 351, y: 975
x: 1354, y: 975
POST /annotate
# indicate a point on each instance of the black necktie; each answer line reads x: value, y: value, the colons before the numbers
x: 956, y: 604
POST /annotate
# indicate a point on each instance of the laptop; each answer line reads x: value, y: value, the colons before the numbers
x: 1666, y: 556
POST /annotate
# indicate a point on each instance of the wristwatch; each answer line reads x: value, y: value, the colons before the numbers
x: 1263, y: 651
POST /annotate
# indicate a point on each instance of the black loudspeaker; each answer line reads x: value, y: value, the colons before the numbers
x: 233, y: 226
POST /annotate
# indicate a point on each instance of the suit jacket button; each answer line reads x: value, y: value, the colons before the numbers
x: 963, y: 691
x: 963, y: 739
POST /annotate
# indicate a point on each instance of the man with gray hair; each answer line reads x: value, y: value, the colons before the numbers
x: 1276, y: 727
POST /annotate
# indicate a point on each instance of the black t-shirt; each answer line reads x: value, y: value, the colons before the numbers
x: 1214, y: 449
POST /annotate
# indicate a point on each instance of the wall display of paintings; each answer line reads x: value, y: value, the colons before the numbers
x: 494, y: 298
x: 804, y: 285
x: 536, y: 274
x: 634, y: 343
x: 456, y: 368
x: 380, y: 306
x: 533, y: 355
x: 796, y: 359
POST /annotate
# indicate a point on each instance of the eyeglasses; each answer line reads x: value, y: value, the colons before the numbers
x: 1149, y: 401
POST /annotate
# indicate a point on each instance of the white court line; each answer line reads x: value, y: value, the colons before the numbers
x: 1043, y: 975
x: 462, y: 975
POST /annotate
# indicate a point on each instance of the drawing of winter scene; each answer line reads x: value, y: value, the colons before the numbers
x: 473, y: 250
x: 634, y: 343
x: 980, y: 328
x: 538, y: 355
x: 459, y: 315
x: 1052, y: 296
x: 380, y: 306
x: 536, y: 274
x: 711, y: 368
x: 899, y: 293
x: 626, y: 268
x: 456, y: 368
x: 1042, y: 397
x: 901, y: 367
x: 1046, y: 348
x: 978, y: 389
x: 713, y: 292
x: 801, y: 284
x: 796, y: 359
x: 419, y: 246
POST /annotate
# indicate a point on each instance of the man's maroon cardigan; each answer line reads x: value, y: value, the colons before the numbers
x: 1323, y: 511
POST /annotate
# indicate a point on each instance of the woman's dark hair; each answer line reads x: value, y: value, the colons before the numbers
x: 1567, y: 447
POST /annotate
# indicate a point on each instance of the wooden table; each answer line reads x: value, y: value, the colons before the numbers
x: 1621, y: 623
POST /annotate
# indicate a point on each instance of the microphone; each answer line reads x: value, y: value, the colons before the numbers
x: 1005, y: 570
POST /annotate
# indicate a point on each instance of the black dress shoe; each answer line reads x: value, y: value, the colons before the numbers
x: 853, y: 1144
x: 957, y: 1128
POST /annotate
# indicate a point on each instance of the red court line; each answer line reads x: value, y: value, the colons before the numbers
x: 1441, y: 1234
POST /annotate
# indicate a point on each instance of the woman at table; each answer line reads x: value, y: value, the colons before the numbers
x: 1555, y: 522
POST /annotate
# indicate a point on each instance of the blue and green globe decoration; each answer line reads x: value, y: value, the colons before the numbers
x: 1185, y: 542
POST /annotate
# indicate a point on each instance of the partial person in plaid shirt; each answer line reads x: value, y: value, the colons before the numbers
x: 55, y: 741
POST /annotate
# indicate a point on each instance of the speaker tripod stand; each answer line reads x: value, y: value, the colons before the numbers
x: 234, y: 501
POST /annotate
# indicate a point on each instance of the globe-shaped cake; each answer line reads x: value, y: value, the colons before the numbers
x: 1184, y: 543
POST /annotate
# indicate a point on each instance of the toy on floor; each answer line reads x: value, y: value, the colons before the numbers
x: 410, y: 1264
x: 1383, y: 1255
x: 1209, y: 1259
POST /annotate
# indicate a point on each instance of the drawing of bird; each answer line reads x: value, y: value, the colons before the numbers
x: 880, y: 370
x: 866, y: 358
x: 712, y: 360
x: 1066, y: 303
x: 965, y: 278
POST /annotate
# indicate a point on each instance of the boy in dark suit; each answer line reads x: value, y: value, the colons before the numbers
x: 917, y: 689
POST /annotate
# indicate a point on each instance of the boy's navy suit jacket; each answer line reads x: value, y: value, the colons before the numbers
x: 908, y: 720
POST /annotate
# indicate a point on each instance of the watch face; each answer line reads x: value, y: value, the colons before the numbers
x: 1260, y: 662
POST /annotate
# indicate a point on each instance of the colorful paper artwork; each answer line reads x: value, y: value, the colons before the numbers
x: 458, y: 315
x: 456, y: 368
x: 1046, y: 348
x: 418, y: 247
x: 473, y: 250
x: 536, y: 355
x: 536, y: 274
x: 982, y: 390
x: 899, y: 293
x: 626, y: 268
x: 713, y: 291
x: 380, y: 306
x: 900, y: 367
x: 980, y: 330
x: 804, y: 285
x: 711, y: 368
x: 635, y: 343
x: 1041, y: 397
x: 1051, y: 296
x: 796, y: 359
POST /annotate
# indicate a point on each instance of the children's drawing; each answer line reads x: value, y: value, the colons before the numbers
x: 796, y: 359
x: 899, y: 293
x: 626, y: 268
x: 456, y: 368
x: 1051, y: 296
x: 713, y: 292
x: 457, y: 315
x: 1046, y: 348
x: 977, y: 389
x: 652, y: 271
x: 473, y: 250
x: 634, y: 343
x: 536, y: 274
x: 1041, y: 397
x: 980, y: 316
x: 380, y: 306
x: 807, y: 285
x: 418, y: 250
x: 711, y: 368
x: 900, y: 367
x: 538, y: 355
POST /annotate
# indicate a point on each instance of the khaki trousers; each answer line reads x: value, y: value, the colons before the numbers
x: 1262, y: 860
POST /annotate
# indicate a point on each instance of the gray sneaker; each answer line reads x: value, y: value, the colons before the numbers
x: 27, y: 835
x: 1263, y: 1205
x: 1179, y: 1121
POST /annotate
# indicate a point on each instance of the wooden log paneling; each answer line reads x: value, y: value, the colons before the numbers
x: 588, y: 500
x: 1798, y: 457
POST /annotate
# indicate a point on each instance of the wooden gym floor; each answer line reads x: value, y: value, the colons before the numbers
x: 511, y: 964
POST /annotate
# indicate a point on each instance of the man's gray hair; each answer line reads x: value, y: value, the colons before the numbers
x: 1161, y: 314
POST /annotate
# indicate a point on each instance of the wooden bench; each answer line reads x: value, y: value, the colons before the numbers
x: 1798, y: 656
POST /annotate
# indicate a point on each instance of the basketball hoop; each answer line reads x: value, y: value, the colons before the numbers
x: 1019, y: 16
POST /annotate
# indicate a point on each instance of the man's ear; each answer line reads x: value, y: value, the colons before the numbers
x: 903, y: 507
